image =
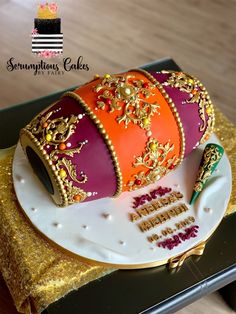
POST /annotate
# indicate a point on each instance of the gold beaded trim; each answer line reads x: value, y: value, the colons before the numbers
x: 173, y: 109
x: 211, y: 117
x: 105, y: 136
x: 28, y: 139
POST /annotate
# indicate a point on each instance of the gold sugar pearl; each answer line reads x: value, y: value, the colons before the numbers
x: 48, y: 137
x: 208, y: 110
x: 62, y: 173
x: 146, y: 121
x: 153, y: 146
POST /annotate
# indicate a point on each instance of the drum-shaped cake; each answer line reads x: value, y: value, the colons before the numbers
x: 117, y: 133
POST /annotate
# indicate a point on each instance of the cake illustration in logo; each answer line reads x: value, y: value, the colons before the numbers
x: 47, y: 39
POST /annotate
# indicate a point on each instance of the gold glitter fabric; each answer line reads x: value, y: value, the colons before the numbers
x: 226, y: 132
x: 37, y: 273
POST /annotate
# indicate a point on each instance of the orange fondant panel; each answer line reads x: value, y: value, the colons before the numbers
x: 130, y: 141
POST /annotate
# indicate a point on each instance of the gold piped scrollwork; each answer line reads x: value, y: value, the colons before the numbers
x: 155, y: 160
x: 212, y: 155
x: 106, y: 138
x: 198, y: 94
x: 54, y: 133
x: 134, y: 94
x: 173, y: 109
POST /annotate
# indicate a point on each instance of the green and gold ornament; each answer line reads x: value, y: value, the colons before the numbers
x: 211, y: 156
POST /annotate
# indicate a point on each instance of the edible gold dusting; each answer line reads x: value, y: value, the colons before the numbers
x: 37, y: 273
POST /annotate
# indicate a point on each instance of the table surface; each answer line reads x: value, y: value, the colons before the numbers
x: 153, y: 290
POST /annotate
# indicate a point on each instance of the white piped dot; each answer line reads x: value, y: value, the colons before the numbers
x: 177, y: 185
x: 48, y: 146
x: 149, y: 133
x: 107, y: 216
x: 57, y: 225
x: 80, y: 116
x: 21, y: 180
x: 68, y: 145
x: 208, y: 210
x: 33, y: 209
x: 89, y: 194
x: 96, y: 108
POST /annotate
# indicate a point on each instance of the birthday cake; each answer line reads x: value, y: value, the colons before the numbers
x: 117, y: 133
x: 46, y: 35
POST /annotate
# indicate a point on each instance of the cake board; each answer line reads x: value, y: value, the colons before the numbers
x: 102, y: 231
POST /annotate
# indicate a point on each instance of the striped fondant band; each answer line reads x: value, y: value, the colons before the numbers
x: 52, y: 42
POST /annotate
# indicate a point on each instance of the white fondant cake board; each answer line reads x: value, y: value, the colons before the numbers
x: 101, y: 231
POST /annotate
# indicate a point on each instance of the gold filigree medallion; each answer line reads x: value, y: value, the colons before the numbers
x: 130, y: 96
x: 157, y: 162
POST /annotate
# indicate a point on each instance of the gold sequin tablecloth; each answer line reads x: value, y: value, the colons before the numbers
x: 37, y: 273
